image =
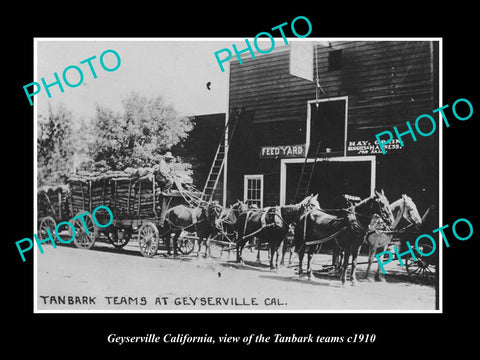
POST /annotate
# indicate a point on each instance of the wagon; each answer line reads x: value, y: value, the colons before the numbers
x: 425, y: 268
x: 138, y: 205
x: 53, y: 207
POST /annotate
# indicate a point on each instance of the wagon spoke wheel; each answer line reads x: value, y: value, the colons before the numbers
x: 185, y: 245
x: 47, y: 222
x: 84, y: 239
x: 148, y: 239
x: 119, y: 238
x: 423, y: 269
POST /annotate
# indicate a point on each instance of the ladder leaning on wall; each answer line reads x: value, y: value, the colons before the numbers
x: 305, y: 178
x: 221, y: 155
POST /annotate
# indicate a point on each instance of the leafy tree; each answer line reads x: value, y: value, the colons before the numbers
x: 54, y: 150
x: 136, y: 137
x: 139, y: 136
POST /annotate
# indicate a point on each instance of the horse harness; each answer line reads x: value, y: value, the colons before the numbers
x: 194, y: 223
x: 353, y: 224
x: 272, y: 214
x: 225, y: 219
x: 320, y: 241
x: 385, y: 229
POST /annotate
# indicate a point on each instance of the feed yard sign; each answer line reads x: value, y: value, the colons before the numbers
x: 282, y: 151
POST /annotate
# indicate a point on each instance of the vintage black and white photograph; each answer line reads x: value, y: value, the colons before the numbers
x: 238, y: 175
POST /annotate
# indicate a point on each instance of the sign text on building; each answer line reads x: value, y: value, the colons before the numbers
x: 282, y: 151
x: 360, y: 147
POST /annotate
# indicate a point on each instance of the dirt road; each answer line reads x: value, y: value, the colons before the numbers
x: 103, y: 279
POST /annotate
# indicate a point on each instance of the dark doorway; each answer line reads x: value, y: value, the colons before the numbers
x: 327, y: 125
x: 332, y: 179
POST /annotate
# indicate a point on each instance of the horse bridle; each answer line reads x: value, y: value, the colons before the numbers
x: 357, y: 224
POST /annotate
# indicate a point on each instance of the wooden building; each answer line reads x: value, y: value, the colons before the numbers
x: 200, y: 147
x: 366, y: 87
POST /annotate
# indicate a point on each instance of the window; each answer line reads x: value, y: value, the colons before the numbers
x: 334, y: 60
x: 253, y: 190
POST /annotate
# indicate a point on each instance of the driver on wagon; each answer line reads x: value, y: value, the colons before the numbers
x: 164, y: 171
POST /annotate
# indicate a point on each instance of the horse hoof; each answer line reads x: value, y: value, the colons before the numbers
x: 381, y: 279
x: 369, y: 279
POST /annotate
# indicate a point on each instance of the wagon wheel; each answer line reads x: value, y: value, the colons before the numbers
x: 148, y: 239
x: 47, y: 222
x: 83, y: 240
x: 424, y: 267
x: 119, y: 238
x: 185, y: 245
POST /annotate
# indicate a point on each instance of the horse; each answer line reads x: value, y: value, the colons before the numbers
x: 270, y: 225
x: 201, y: 220
x: 377, y: 238
x: 227, y: 221
x: 348, y: 230
x: 288, y: 243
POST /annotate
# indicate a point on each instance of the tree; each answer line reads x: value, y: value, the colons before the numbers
x: 137, y: 137
x: 54, y: 150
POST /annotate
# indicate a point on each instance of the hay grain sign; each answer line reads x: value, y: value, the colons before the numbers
x: 282, y: 151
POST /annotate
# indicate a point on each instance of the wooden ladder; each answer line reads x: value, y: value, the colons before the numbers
x: 221, y: 155
x: 305, y: 179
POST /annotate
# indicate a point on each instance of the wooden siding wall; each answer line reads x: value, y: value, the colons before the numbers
x: 387, y: 83
x: 200, y: 147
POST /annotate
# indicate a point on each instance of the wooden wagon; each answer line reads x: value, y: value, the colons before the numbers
x: 53, y: 207
x: 138, y: 205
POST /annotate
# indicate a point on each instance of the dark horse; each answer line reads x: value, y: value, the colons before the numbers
x: 348, y: 230
x: 270, y: 225
x: 228, y: 218
x: 226, y: 223
x: 201, y: 220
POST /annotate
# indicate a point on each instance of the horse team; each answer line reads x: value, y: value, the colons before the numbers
x: 370, y: 220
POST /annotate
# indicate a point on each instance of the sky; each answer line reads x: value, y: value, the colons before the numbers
x: 176, y: 69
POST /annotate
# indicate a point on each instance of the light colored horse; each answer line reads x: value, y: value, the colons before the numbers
x: 403, y: 208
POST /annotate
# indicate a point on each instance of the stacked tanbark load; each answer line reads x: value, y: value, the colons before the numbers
x: 53, y: 201
x: 136, y: 194
x: 130, y: 194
